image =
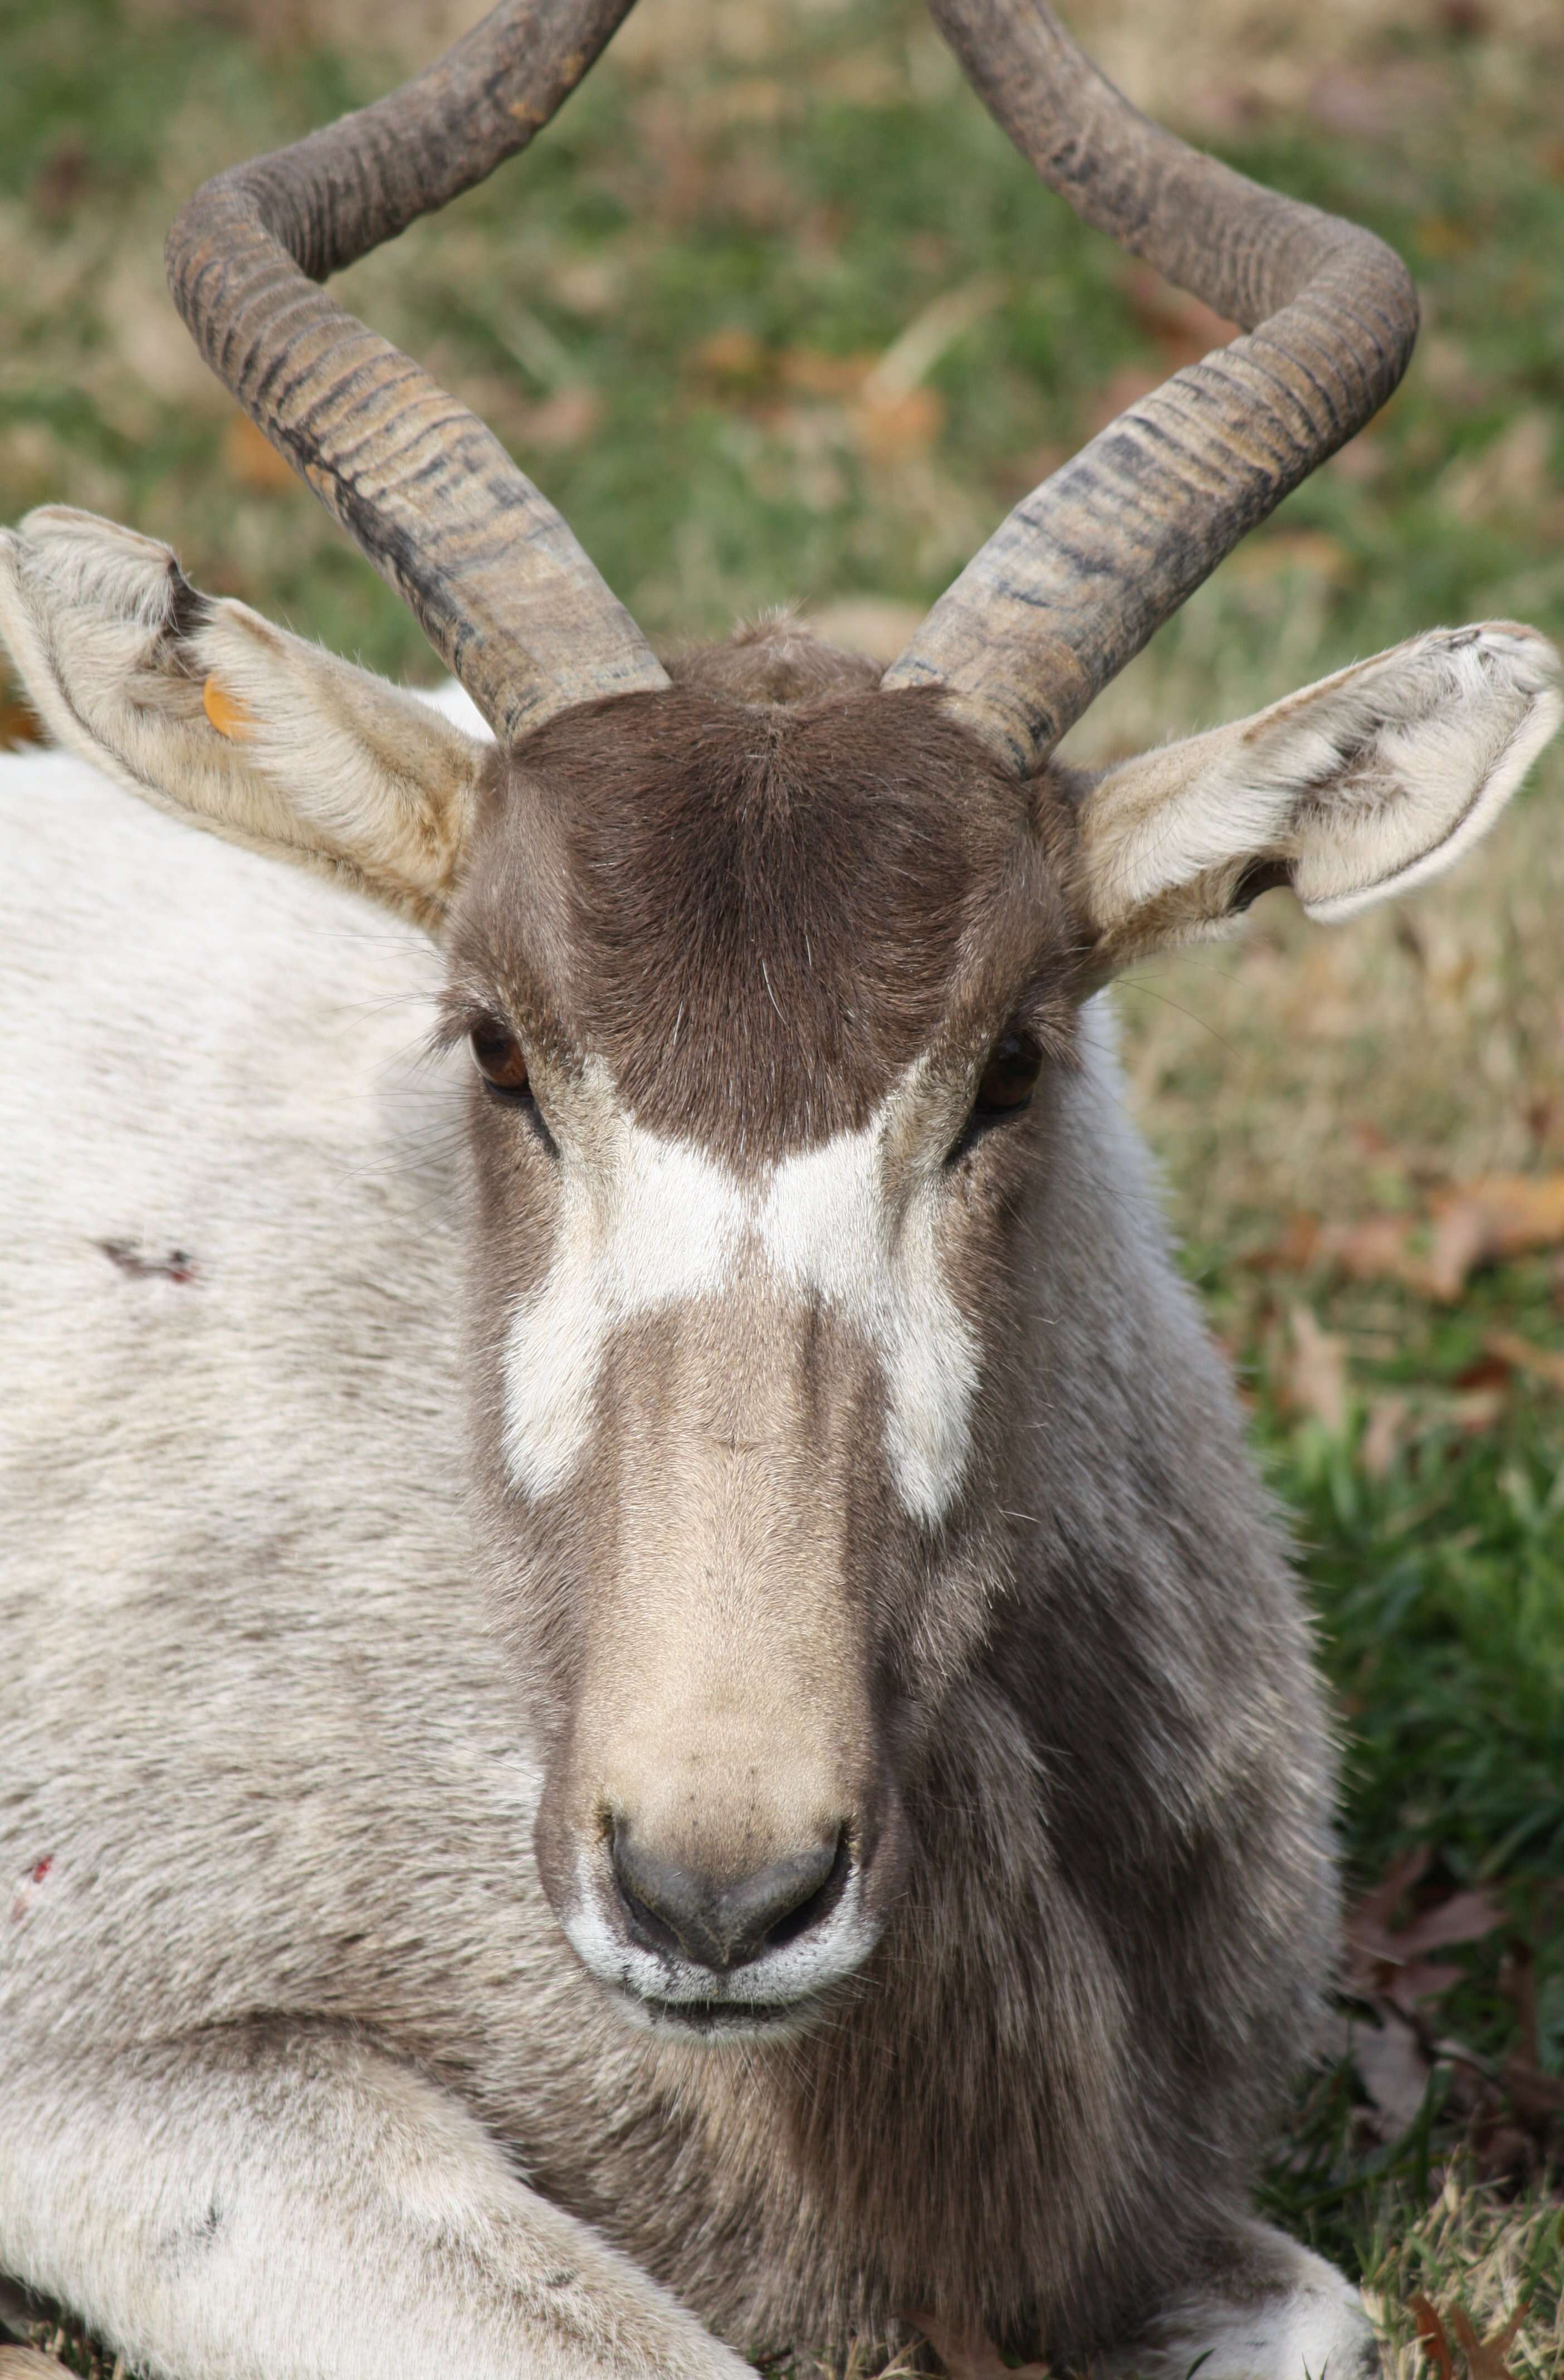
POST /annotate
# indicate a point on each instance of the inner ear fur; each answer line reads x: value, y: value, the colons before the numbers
x: 1356, y: 788
x: 206, y: 710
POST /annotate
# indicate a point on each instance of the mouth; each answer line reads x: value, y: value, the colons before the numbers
x: 784, y: 1992
x: 723, y: 2019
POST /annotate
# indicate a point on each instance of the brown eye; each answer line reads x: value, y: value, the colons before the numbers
x: 1009, y: 1076
x: 500, y: 1059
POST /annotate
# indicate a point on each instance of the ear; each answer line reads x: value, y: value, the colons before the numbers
x: 1356, y: 788
x: 206, y: 710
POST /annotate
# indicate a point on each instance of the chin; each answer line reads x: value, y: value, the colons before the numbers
x: 720, y: 2022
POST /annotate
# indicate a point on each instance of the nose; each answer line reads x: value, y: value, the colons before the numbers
x: 721, y: 1926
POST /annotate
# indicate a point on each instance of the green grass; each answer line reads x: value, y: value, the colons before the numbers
x: 668, y: 310
x: 1440, y: 1590
x: 662, y: 213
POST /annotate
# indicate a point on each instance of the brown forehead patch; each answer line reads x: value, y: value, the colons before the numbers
x: 756, y: 914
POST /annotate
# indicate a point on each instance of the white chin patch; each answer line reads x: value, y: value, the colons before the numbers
x: 661, y: 1221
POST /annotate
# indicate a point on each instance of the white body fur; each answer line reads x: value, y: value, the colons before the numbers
x: 201, y: 1839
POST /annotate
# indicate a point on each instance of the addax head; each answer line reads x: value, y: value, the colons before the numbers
x: 770, y: 970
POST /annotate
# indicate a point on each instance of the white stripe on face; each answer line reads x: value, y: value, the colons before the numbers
x: 651, y: 1222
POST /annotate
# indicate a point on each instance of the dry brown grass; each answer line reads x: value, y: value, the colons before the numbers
x: 1472, y: 2255
x: 1210, y: 62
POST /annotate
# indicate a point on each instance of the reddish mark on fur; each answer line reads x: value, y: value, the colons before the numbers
x: 175, y: 1266
x: 37, y: 1874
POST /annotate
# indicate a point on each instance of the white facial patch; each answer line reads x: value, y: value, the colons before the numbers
x: 653, y: 1222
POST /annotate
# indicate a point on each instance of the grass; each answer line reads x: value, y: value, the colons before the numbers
x: 671, y: 312
x: 1469, y: 2255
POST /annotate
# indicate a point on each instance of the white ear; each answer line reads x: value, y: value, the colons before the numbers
x: 205, y: 709
x: 1356, y: 788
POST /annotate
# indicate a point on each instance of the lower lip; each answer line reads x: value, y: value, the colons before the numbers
x: 714, y: 2018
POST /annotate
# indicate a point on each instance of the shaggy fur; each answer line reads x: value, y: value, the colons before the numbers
x: 310, y: 1718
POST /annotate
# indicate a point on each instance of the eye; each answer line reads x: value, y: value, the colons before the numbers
x: 1005, y: 1090
x: 1010, y: 1076
x: 500, y: 1059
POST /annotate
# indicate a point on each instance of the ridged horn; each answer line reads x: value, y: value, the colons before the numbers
x: 499, y: 585
x: 1071, y: 586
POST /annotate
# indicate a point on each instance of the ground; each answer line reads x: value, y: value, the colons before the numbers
x: 774, y: 315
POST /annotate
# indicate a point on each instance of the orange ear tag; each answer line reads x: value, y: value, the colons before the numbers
x: 228, y: 713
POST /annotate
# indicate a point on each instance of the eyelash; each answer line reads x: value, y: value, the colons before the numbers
x: 496, y: 1049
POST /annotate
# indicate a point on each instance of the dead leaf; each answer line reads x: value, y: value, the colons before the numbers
x: 1017, y: 478
x: 1476, y: 1410
x: 876, y: 624
x: 1508, y: 478
x: 64, y: 179
x: 683, y: 169
x: 1295, y: 1251
x: 1442, y: 236
x: 899, y: 425
x: 1485, y: 2357
x: 1346, y: 100
x: 1453, y: 373
x: 1118, y: 392
x: 1433, y: 2338
x: 19, y: 723
x: 1376, y: 1248
x: 1181, y: 326
x: 1537, y: 2096
x: 1471, y: 1225
x: 1370, y: 1141
x: 1312, y: 1381
x: 970, y: 2353
x: 866, y: 77
x: 592, y: 286
x: 1487, y: 1222
x: 753, y: 99
x: 811, y: 372
x: 1465, y: 1917
x: 1294, y: 548
x: 1394, y: 2069
x: 568, y: 418
x: 733, y: 356
x: 1362, y: 462
x: 1379, y: 1905
x: 253, y: 461
x: 1539, y: 1363
x: 1389, y: 1964
x: 1503, y: 2154
x: 1385, y: 1435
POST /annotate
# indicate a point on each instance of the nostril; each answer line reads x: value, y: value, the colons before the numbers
x: 652, y: 1929
x: 817, y: 1906
x: 673, y: 1909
